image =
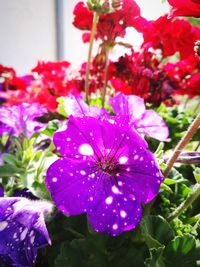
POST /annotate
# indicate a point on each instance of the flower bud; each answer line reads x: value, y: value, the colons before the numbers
x: 104, y: 6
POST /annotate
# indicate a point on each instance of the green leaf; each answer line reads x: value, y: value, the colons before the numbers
x: 182, y: 251
x: 166, y: 188
x: 40, y: 190
x: 157, y: 231
x: 159, y: 151
x: 81, y: 252
x: 10, y: 159
x: 9, y: 170
x: 51, y: 127
x: 156, y: 258
x: 61, y: 106
x: 169, y: 181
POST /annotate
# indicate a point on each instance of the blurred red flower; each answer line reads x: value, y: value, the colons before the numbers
x: 185, y: 8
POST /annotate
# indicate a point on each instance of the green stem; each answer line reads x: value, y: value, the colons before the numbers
x: 197, y: 147
x: 105, y: 76
x: 94, y: 26
x: 184, y: 141
x: 188, y: 202
x: 197, y: 107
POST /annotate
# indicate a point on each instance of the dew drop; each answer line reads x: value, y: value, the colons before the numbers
x: 123, y: 213
x: 86, y: 149
x: 54, y: 179
x: 115, y: 226
x: 123, y: 159
x: 115, y: 189
x: 109, y: 200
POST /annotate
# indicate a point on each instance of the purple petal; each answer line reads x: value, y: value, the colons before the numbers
x: 21, y: 118
x: 131, y: 106
x: 89, y: 138
x: 80, y: 139
x: 146, y: 122
x: 76, y: 106
x: 118, y: 136
x: 141, y: 174
x: 113, y: 210
x: 153, y: 125
x: 22, y: 231
x: 1, y: 191
x: 69, y: 182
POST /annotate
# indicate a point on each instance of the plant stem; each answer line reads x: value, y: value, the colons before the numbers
x: 189, y: 200
x: 94, y: 26
x: 184, y: 141
x: 197, y: 107
x: 105, y: 75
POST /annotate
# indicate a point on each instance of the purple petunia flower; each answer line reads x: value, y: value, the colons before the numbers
x: 22, y: 231
x: 106, y: 171
x: 146, y: 122
x: 1, y: 191
x: 21, y: 119
x: 76, y: 106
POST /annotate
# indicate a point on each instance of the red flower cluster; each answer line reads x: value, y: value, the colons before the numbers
x: 185, y: 7
x: 140, y: 74
x: 186, y: 75
x: 48, y: 82
x: 110, y: 25
x: 171, y: 36
x: 10, y: 81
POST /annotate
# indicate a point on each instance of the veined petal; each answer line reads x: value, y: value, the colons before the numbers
x: 153, y: 125
x: 114, y: 210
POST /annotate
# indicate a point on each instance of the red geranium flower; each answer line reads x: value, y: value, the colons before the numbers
x: 10, y: 80
x: 185, y: 7
x: 140, y: 74
x: 186, y: 75
x: 171, y: 36
x: 110, y: 25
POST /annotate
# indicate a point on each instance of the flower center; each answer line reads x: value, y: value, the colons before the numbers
x: 109, y: 166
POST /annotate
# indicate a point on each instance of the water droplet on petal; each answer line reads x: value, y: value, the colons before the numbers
x: 109, y: 200
x: 86, y: 149
x: 115, y: 226
x: 123, y: 213
x: 123, y: 159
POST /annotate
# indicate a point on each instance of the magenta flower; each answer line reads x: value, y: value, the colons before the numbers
x: 22, y: 231
x: 21, y: 119
x: 146, y: 122
x: 106, y: 171
x: 75, y: 105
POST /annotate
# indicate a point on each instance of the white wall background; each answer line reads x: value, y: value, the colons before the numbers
x: 75, y: 50
x: 27, y: 33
